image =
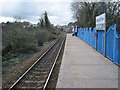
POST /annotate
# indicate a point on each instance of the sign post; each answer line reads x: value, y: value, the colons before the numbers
x: 101, y: 25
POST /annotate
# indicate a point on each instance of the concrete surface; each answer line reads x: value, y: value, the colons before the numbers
x: 83, y: 67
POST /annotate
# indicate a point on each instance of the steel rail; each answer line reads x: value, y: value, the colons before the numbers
x: 13, y: 85
x: 47, y: 80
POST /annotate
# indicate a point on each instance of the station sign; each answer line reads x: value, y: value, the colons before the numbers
x: 101, y: 22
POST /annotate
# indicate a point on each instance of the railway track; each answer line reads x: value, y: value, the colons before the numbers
x: 38, y: 75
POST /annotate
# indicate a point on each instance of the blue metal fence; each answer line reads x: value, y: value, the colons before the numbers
x: 116, y: 55
x: 93, y: 38
x: 96, y: 40
x: 110, y: 41
x: 100, y: 41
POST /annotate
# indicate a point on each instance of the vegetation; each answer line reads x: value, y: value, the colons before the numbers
x: 58, y: 62
x: 22, y: 38
x: 44, y: 21
x: 85, y: 13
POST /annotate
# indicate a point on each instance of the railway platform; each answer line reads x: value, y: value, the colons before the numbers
x: 84, y: 67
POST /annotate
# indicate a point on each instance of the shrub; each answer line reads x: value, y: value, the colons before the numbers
x: 21, y: 41
x: 42, y: 36
x: 51, y: 36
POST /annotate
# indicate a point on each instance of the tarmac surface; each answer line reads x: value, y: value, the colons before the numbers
x: 84, y: 67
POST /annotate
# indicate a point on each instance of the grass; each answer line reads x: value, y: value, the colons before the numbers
x: 58, y: 62
x: 17, y: 62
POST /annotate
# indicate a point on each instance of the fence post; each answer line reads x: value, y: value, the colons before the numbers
x: 105, y: 42
x: 96, y: 40
x: 105, y: 38
x: 114, y: 44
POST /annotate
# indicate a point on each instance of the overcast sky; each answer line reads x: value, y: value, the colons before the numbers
x: 59, y: 11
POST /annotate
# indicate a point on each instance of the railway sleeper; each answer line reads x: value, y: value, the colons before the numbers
x: 44, y: 65
x: 30, y: 84
x: 36, y: 72
x: 41, y: 69
x: 37, y: 77
x: 30, y: 88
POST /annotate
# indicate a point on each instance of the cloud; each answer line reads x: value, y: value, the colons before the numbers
x: 22, y: 9
x: 58, y: 10
x: 5, y: 19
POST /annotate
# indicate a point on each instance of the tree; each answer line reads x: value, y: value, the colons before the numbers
x: 85, y: 13
x: 44, y: 20
x: 17, y: 18
x: 41, y: 22
x: 47, y: 22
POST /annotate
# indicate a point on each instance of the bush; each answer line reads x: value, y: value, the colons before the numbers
x: 42, y: 36
x: 21, y: 41
x: 51, y: 36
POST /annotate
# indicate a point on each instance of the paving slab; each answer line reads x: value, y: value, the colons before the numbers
x: 84, y: 67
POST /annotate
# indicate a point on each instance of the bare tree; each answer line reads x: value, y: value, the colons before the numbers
x: 17, y: 18
x: 86, y: 12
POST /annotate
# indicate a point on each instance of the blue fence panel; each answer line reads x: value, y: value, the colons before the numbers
x: 78, y: 33
x: 110, y: 42
x: 100, y: 41
x: 90, y: 38
x: 116, y: 55
x: 83, y: 34
x: 86, y: 35
x: 89, y: 35
x: 93, y: 39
